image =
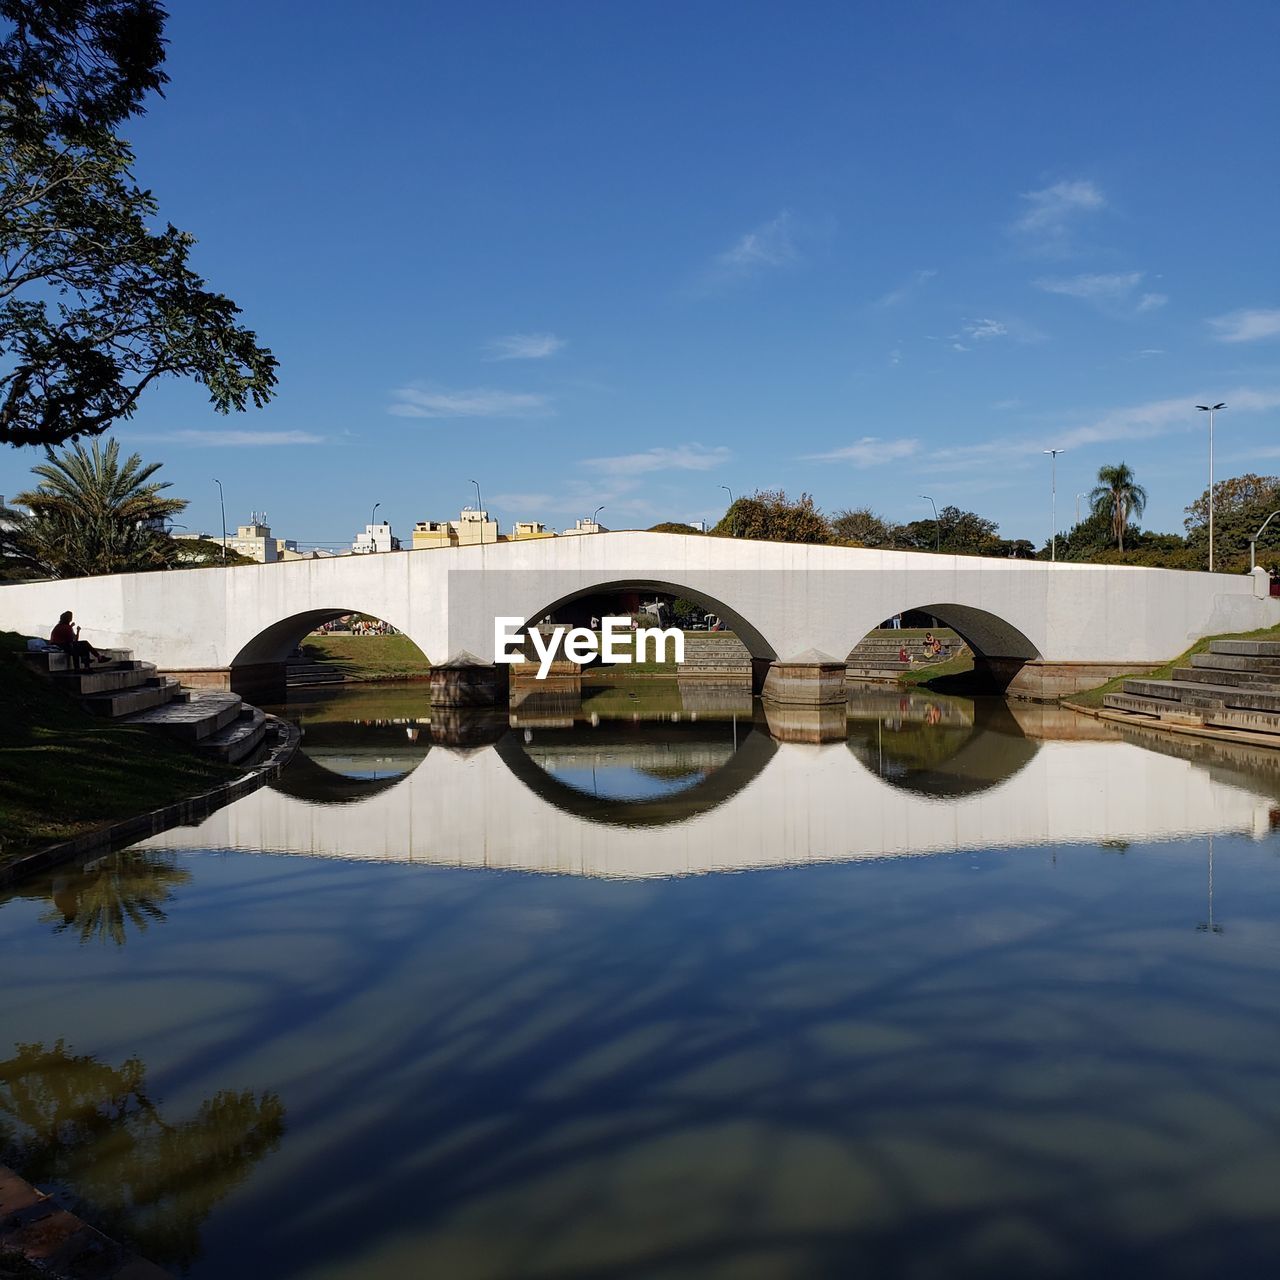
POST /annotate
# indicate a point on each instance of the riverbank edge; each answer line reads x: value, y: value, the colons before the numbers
x: 1242, y: 737
x: 56, y: 1242
x: 183, y: 812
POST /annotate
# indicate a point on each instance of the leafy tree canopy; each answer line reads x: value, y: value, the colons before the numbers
x: 96, y: 302
x: 673, y: 526
x: 91, y: 514
x: 1119, y: 498
x: 863, y: 526
x: 768, y: 515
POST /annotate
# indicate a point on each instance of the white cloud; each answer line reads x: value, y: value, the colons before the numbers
x: 870, y: 451
x: 1131, y: 422
x: 896, y: 297
x: 480, y: 402
x: 684, y: 457
x: 1053, y: 208
x: 524, y: 346
x: 1247, y: 326
x: 1152, y: 301
x: 234, y: 439
x: 769, y: 245
x: 1095, y: 288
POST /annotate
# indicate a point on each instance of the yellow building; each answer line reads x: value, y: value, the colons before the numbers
x: 472, y: 528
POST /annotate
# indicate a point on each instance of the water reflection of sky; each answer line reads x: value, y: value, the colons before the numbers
x: 1020, y: 1061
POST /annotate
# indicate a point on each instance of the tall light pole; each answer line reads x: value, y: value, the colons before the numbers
x: 595, y: 515
x: 223, y: 505
x: 1210, y: 409
x: 1078, y: 497
x: 937, y: 528
x: 1053, y: 453
x: 373, y: 516
x: 733, y: 529
x: 480, y: 509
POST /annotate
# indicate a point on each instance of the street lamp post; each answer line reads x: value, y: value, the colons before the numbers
x: 480, y: 509
x: 1053, y: 453
x: 595, y: 517
x: 223, y: 506
x: 1257, y: 537
x: 1210, y: 409
x: 1078, y: 497
x: 937, y: 527
x: 733, y: 528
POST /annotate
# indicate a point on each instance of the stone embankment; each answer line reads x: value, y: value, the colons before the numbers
x: 221, y: 725
x: 1233, y: 688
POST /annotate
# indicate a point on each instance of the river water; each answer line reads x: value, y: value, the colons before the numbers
x: 646, y: 984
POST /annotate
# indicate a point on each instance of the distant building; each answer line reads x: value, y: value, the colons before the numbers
x: 584, y: 526
x: 472, y: 528
x: 254, y: 540
x: 375, y: 538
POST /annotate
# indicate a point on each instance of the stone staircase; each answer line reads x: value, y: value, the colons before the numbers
x: 130, y: 692
x: 875, y: 656
x: 1235, y: 685
x: 715, y: 655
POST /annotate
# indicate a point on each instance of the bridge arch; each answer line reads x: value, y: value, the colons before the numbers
x: 757, y: 643
x: 277, y: 640
x: 986, y: 633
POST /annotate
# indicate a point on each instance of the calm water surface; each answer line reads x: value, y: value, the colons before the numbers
x: 643, y: 984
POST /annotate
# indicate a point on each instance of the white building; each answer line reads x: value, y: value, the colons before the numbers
x: 375, y: 538
x: 584, y: 526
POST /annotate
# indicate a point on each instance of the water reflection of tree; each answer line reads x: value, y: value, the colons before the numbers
x: 70, y: 1121
x: 103, y: 898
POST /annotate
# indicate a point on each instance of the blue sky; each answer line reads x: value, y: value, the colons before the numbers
x: 626, y: 254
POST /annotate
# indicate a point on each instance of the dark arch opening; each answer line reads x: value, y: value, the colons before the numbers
x: 947, y: 760
x: 755, y: 750
x: 757, y: 644
x: 276, y: 642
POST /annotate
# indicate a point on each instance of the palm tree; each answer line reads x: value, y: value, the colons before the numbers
x: 91, y: 514
x: 1118, y: 497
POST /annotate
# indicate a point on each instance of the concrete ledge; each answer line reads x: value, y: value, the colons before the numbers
x: 35, y: 1226
x: 1244, y: 737
x: 181, y: 813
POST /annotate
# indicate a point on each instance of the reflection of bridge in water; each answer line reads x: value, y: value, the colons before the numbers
x: 989, y: 776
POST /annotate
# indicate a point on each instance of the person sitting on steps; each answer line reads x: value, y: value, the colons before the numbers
x: 67, y: 638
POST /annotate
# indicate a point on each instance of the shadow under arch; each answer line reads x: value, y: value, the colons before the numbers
x: 274, y: 643
x: 974, y: 759
x: 306, y: 780
x: 755, y: 641
x: 987, y: 634
x: 754, y: 752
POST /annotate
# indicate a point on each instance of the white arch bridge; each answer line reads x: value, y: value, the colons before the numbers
x: 1044, y: 629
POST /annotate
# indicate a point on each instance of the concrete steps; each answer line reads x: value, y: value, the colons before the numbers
x: 105, y: 679
x: 1235, y: 685
x: 239, y: 739
x: 118, y: 703
x: 193, y: 717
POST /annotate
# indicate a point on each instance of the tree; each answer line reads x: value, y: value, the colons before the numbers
x: 956, y: 532
x: 1118, y: 497
x: 95, y: 305
x: 673, y: 526
x: 92, y: 515
x: 1240, y: 507
x: 863, y: 526
x: 770, y: 516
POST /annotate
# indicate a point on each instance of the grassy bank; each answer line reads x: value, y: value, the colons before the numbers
x: 1094, y: 697
x: 64, y: 772
x: 369, y: 657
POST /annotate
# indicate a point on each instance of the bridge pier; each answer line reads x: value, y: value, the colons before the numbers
x: 256, y: 682
x: 467, y: 681
x: 811, y: 679
x: 806, y: 722
x: 1040, y: 680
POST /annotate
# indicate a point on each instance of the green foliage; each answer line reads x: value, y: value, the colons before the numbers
x: 863, y: 527
x: 1240, y: 507
x: 203, y: 553
x: 81, y: 1124
x: 1119, y: 498
x: 770, y: 516
x: 95, y: 305
x: 673, y: 526
x: 684, y: 613
x: 90, y: 514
